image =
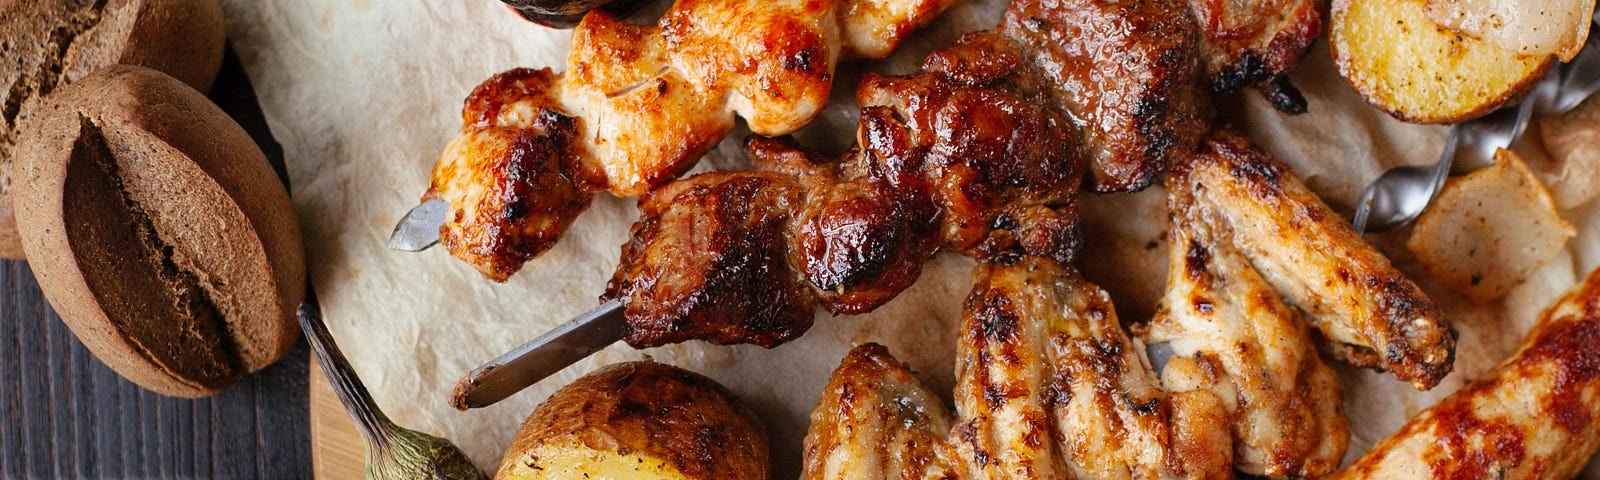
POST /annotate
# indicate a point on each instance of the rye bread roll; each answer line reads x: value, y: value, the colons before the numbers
x: 159, y: 232
x: 48, y: 44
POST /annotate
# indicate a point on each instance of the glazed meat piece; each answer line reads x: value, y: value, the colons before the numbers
x: 1129, y: 73
x: 1536, y: 416
x: 1232, y: 335
x: 709, y: 259
x: 1374, y: 315
x: 877, y: 421
x: 854, y: 232
x: 638, y: 105
x: 1257, y: 42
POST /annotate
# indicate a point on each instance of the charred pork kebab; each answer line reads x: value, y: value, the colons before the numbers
x: 982, y: 152
x: 639, y: 105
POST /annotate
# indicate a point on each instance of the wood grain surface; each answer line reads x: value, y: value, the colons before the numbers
x: 64, y: 414
x: 337, y: 450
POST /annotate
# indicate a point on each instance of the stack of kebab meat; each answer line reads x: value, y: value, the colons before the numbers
x: 981, y: 152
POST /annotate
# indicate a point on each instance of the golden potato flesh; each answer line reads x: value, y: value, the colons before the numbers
x: 1418, y: 71
x: 1489, y: 230
x: 639, y: 420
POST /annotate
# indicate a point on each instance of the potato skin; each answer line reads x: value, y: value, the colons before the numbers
x: 644, y: 418
x: 1419, y: 72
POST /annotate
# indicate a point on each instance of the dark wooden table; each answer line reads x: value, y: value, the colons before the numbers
x: 63, y: 414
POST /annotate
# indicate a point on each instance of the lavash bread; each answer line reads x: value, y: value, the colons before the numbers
x: 48, y: 44
x: 159, y: 232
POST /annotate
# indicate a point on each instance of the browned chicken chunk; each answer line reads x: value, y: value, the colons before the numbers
x: 1258, y: 42
x: 1537, y: 416
x: 877, y: 421
x: 1374, y: 315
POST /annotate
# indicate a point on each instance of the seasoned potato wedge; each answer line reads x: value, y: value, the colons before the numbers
x: 1528, y: 27
x: 1418, y: 71
x: 639, y: 420
x: 1489, y: 230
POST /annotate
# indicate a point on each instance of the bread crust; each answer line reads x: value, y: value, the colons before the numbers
x: 50, y: 44
x: 159, y: 232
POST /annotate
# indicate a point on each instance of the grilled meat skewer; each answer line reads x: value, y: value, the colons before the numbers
x: 638, y: 105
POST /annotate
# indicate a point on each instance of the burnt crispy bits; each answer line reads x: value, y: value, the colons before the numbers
x: 708, y: 261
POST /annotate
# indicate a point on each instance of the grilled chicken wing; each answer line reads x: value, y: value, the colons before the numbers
x: 1535, y: 416
x: 1038, y: 339
x: 876, y: 421
x: 853, y: 233
x: 637, y: 106
x: 1375, y: 315
x: 1232, y: 335
x: 1048, y: 386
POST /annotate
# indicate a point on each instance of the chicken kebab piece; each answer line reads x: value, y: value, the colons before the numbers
x: 1536, y: 416
x: 1049, y: 386
x: 639, y: 105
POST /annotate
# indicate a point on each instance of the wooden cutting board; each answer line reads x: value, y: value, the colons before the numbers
x: 337, y: 450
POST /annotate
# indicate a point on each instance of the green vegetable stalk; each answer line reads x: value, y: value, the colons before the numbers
x: 393, y: 453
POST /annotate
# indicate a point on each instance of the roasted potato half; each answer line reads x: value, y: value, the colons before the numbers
x: 1418, y: 71
x: 639, y: 420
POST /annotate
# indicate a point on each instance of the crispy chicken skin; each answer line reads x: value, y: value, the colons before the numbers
x: 877, y: 421
x: 1258, y: 42
x: 637, y: 106
x: 1373, y: 314
x: 852, y: 233
x: 1535, y: 416
x: 1231, y: 334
